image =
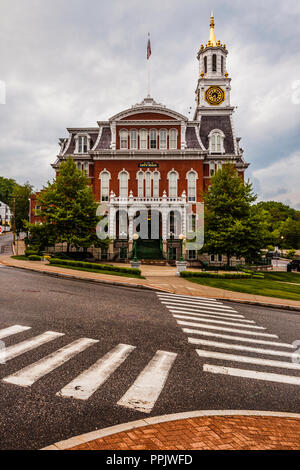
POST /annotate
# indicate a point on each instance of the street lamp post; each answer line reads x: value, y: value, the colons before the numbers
x: 181, y: 238
x: 171, y: 246
x: 135, y: 239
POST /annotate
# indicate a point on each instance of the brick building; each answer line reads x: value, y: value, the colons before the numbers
x: 149, y: 165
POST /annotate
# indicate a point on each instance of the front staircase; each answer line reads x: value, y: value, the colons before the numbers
x: 149, y: 250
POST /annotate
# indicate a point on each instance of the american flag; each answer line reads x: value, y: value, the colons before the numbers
x: 149, y: 52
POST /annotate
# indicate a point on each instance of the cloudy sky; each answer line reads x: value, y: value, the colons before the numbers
x: 69, y: 63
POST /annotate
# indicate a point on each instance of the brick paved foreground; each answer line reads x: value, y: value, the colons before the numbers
x: 209, y: 433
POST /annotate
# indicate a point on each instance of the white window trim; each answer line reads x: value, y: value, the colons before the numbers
x: 109, y: 179
x: 130, y: 139
x: 156, y: 136
x: 156, y: 172
x: 215, y: 133
x: 140, y: 194
x: 82, y: 134
x: 119, y: 178
x: 120, y: 132
x: 190, y: 227
x: 192, y: 171
x: 170, y: 140
x: 160, y: 147
x: 177, y: 175
x: 140, y: 134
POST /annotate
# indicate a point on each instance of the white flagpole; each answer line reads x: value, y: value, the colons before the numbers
x: 148, y: 67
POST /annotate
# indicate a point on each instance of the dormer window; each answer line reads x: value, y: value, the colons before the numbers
x: 124, y: 139
x: 216, y: 141
x: 83, y: 144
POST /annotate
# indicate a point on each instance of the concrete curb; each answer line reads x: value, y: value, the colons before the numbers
x: 83, y: 438
x: 154, y: 288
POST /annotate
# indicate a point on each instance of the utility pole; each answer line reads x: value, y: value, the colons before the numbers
x: 14, y: 225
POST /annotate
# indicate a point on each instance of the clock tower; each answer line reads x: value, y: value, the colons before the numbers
x: 213, y: 88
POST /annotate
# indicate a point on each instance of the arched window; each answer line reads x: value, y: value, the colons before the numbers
x: 214, y: 62
x: 216, y: 141
x: 153, y: 139
x: 173, y: 139
x: 104, y: 178
x: 192, y: 186
x: 123, y: 177
x: 222, y: 65
x: 156, y: 184
x: 140, y: 178
x: 123, y: 139
x: 205, y: 64
x: 173, y: 184
x: 143, y: 139
x: 133, y: 139
x: 163, y: 145
x: 148, y: 184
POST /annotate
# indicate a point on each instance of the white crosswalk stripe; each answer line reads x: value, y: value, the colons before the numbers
x: 20, y: 348
x: 211, y: 315
x: 241, y: 339
x: 30, y: 374
x: 178, y: 304
x: 219, y: 322
x: 219, y: 328
x: 215, y: 314
x: 252, y: 374
x: 248, y: 359
x: 13, y: 330
x: 145, y: 391
x: 187, y: 297
x: 141, y: 395
x: 90, y: 380
x: 201, y: 319
x: 238, y: 347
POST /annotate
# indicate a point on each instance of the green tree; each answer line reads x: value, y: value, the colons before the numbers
x: 233, y: 226
x: 68, y: 206
x: 6, y: 189
x: 20, y: 195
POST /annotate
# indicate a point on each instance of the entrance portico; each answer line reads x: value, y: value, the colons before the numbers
x: 160, y: 219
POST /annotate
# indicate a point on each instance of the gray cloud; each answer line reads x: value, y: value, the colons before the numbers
x: 70, y: 64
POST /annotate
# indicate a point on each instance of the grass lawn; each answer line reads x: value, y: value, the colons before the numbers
x: 21, y: 258
x: 266, y: 287
x: 283, y: 277
x: 98, y: 271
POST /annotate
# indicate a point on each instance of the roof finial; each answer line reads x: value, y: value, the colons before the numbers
x: 212, y: 37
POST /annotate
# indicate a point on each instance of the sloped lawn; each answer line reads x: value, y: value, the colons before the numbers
x: 266, y: 287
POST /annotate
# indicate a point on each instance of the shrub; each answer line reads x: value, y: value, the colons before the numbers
x: 187, y: 274
x: 34, y: 258
x: 96, y: 266
x: 30, y: 252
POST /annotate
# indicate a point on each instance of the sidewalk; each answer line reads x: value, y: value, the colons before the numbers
x: 157, y: 278
x: 207, y: 431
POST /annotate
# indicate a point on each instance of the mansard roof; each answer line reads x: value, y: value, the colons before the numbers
x: 223, y: 123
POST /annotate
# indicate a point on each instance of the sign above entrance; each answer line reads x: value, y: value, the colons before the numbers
x: 148, y: 165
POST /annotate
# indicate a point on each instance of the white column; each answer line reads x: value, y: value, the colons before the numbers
x: 112, y: 223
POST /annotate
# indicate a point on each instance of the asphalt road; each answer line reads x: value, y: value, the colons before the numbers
x: 34, y: 416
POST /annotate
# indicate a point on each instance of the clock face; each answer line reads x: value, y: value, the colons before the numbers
x: 215, y: 95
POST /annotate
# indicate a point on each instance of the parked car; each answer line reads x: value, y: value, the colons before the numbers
x: 295, y: 264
